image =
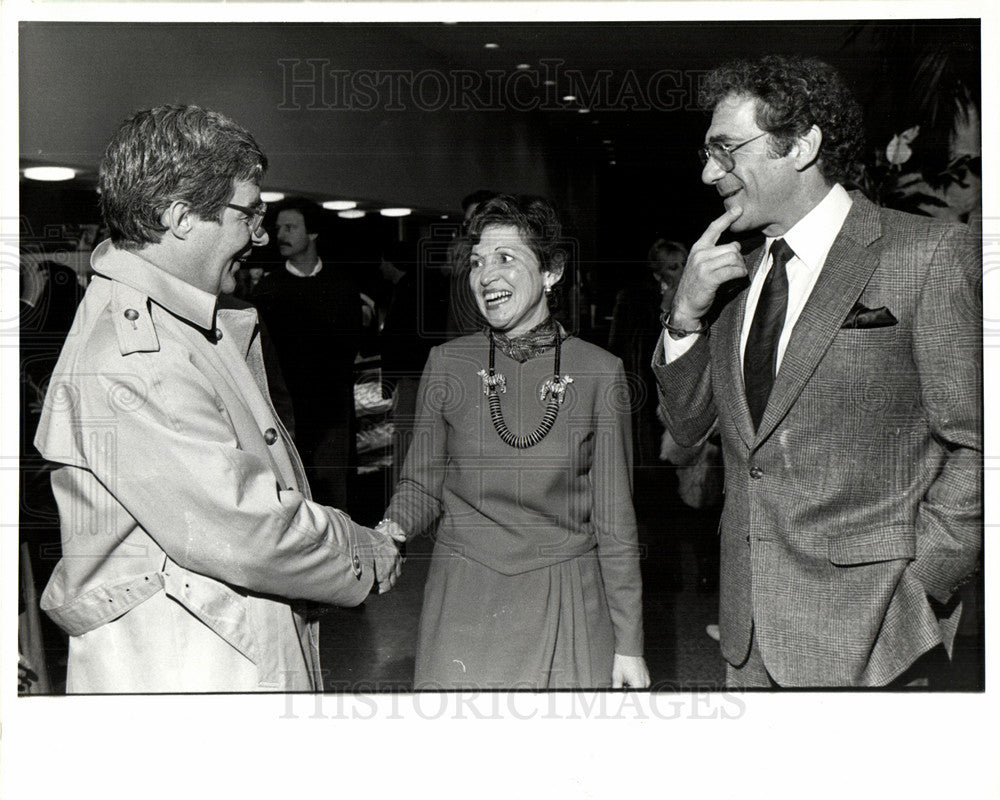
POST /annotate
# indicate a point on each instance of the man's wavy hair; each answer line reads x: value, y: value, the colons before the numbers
x: 534, y: 217
x: 172, y: 153
x: 793, y: 93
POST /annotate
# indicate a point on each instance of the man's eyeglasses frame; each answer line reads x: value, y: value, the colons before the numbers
x: 255, y: 216
x: 722, y: 154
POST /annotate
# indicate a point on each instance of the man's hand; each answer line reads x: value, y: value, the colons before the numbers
x: 708, y: 267
x: 388, y: 561
x: 629, y: 671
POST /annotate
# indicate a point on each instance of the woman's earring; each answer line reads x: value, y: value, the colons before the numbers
x: 548, y: 289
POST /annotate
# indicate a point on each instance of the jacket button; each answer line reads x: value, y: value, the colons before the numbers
x: 756, y: 473
x: 218, y: 335
x: 131, y: 314
x: 356, y: 562
x: 748, y: 538
x: 270, y: 436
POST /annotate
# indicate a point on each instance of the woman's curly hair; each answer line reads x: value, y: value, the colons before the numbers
x: 793, y: 93
x: 533, y: 216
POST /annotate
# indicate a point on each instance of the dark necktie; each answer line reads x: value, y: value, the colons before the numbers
x: 761, y: 355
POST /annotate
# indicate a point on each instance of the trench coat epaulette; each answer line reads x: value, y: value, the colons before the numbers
x: 133, y: 320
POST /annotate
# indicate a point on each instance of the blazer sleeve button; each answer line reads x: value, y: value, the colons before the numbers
x: 270, y: 436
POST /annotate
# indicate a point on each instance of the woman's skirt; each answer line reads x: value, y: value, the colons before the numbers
x: 548, y: 628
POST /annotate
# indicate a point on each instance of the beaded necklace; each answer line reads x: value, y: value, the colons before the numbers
x: 495, y: 384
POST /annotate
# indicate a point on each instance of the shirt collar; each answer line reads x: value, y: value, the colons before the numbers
x: 166, y: 290
x: 300, y: 274
x: 812, y: 236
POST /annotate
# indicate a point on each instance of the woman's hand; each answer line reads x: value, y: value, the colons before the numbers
x: 392, y: 529
x: 629, y: 671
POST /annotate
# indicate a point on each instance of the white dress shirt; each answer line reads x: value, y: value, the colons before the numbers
x: 810, y: 239
x: 300, y: 274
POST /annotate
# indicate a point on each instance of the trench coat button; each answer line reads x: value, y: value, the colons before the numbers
x: 356, y: 563
x: 218, y: 335
x: 748, y: 538
x: 131, y: 314
x: 270, y: 436
x: 756, y: 473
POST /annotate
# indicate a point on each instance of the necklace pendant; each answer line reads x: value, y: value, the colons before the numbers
x: 556, y: 388
x: 493, y: 382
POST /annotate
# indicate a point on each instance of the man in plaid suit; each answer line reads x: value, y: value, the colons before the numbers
x: 842, y: 362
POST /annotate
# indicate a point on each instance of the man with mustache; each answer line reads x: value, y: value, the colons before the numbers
x: 312, y: 310
x: 842, y: 363
x: 191, y: 548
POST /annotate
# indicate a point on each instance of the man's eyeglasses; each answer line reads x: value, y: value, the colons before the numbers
x: 255, y: 216
x: 722, y: 154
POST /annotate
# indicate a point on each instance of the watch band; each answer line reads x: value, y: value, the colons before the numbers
x: 679, y: 333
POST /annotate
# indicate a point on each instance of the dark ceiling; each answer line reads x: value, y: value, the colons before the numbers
x: 636, y: 80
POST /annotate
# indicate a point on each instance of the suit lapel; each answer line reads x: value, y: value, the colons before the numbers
x: 731, y: 324
x: 848, y: 268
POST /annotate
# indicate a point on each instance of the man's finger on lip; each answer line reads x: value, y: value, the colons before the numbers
x: 718, y: 226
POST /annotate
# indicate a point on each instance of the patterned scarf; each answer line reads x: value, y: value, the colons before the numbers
x: 528, y: 345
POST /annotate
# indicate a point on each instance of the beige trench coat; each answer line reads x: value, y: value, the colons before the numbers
x: 188, y: 531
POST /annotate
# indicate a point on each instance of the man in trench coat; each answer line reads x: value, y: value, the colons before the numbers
x: 192, y: 552
x: 847, y: 390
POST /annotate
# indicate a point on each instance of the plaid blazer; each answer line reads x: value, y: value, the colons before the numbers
x: 854, y: 512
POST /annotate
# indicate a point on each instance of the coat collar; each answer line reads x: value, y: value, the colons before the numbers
x: 179, y: 298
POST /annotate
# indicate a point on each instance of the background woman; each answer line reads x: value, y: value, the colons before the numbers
x: 522, y: 453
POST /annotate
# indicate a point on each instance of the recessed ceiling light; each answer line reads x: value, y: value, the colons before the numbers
x: 607, y: 141
x: 50, y: 173
x: 583, y: 111
x: 569, y: 98
x: 524, y: 66
x: 444, y: 216
x: 395, y: 212
x: 351, y: 213
x: 340, y: 205
x: 550, y: 83
x: 491, y: 46
x: 272, y: 197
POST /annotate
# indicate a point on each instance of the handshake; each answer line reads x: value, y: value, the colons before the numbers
x: 386, y: 536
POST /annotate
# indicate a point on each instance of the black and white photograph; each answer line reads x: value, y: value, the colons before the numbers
x: 605, y: 383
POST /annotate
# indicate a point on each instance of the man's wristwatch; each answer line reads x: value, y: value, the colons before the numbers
x: 679, y: 333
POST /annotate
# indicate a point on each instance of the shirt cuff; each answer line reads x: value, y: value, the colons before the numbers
x: 675, y: 348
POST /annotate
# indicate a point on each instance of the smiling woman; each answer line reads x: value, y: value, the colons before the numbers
x: 535, y: 580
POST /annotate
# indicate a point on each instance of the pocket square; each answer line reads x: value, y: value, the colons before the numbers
x: 863, y: 317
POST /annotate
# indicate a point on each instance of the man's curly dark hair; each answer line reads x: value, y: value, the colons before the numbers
x: 794, y: 93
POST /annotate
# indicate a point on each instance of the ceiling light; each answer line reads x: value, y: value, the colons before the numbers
x: 272, y: 197
x: 569, y: 98
x: 491, y: 46
x: 524, y: 66
x: 340, y: 205
x: 583, y: 111
x: 351, y: 213
x: 395, y: 212
x: 50, y: 173
x: 550, y: 83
